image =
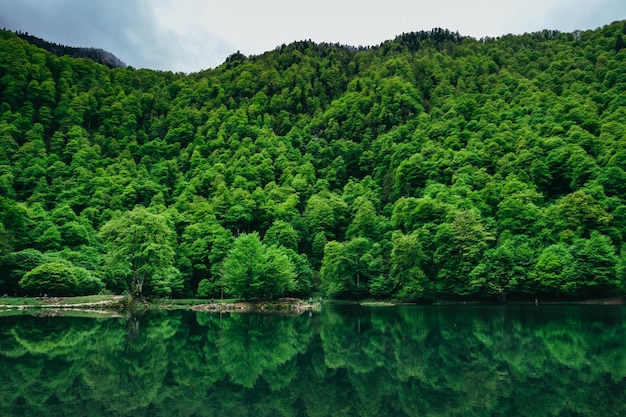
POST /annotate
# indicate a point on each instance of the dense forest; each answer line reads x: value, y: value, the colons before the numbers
x: 431, y: 166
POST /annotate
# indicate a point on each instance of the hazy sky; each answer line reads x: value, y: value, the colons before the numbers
x: 191, y: 35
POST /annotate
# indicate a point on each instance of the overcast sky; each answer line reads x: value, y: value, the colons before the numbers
x: 192, y: 35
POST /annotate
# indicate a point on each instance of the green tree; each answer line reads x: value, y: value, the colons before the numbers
x: 325, y: 212
x: 410, y: 176
x: 365, y: 223
x: 283, y: 234
x: 279, y: 273
x: 406, y: 264
x: 252, y: 270
x: 554, y: 269
x: 348, y: 268
x: 595, y: 265
x: 460, y: 245
x: 205, y: 244
x: 140, y: 247
x: 505, y: 269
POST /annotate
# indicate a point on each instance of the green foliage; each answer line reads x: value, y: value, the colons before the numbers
x: 141, y: 249
x: 207, y: 289
x: 283, y: 234
x: 253, y: 270
x: 350, y: 268
x: 18, y: 264
x: 506, y: 268
x: 407, y: 274
x: 409, y: 170
x: 60, y: 279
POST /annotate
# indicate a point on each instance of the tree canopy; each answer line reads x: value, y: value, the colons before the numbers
x: 430, y: 166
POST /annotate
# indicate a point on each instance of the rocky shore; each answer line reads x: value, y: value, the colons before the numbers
x: 282, y: 305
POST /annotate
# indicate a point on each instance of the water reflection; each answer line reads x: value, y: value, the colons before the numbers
x: 349, y: 361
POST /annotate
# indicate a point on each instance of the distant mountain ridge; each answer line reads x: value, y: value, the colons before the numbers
x: 95, y: 54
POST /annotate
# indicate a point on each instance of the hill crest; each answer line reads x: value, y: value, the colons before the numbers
x: 95, y: 54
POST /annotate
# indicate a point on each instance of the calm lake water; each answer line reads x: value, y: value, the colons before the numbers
x: 342, y: 361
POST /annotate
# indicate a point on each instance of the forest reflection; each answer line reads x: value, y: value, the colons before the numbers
x: 345, y: 360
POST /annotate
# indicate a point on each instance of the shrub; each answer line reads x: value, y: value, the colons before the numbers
x: 60, y: 279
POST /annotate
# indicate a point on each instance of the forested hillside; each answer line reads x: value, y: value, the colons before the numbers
x: 98, y: 55
x: 431, y: 166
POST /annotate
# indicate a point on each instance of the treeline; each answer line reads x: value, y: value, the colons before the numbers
x: 95, y: 54
x: 431, y: 166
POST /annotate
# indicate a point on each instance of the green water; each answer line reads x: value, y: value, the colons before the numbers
x: 342, y: 361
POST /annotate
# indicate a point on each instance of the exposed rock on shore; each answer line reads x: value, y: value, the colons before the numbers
x: 282, y: 305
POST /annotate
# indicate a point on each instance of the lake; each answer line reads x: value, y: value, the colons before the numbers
x: 546, y: 360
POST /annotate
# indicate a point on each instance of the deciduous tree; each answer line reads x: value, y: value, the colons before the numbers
x: 140, y: 247
x: 252, y: 270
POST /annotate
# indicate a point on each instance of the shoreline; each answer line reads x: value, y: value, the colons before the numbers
x: 116, y: 305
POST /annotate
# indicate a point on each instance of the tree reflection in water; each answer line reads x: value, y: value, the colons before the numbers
x: 412, y: 361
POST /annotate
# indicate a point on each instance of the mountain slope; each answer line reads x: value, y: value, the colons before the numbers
x: 431, y: 166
